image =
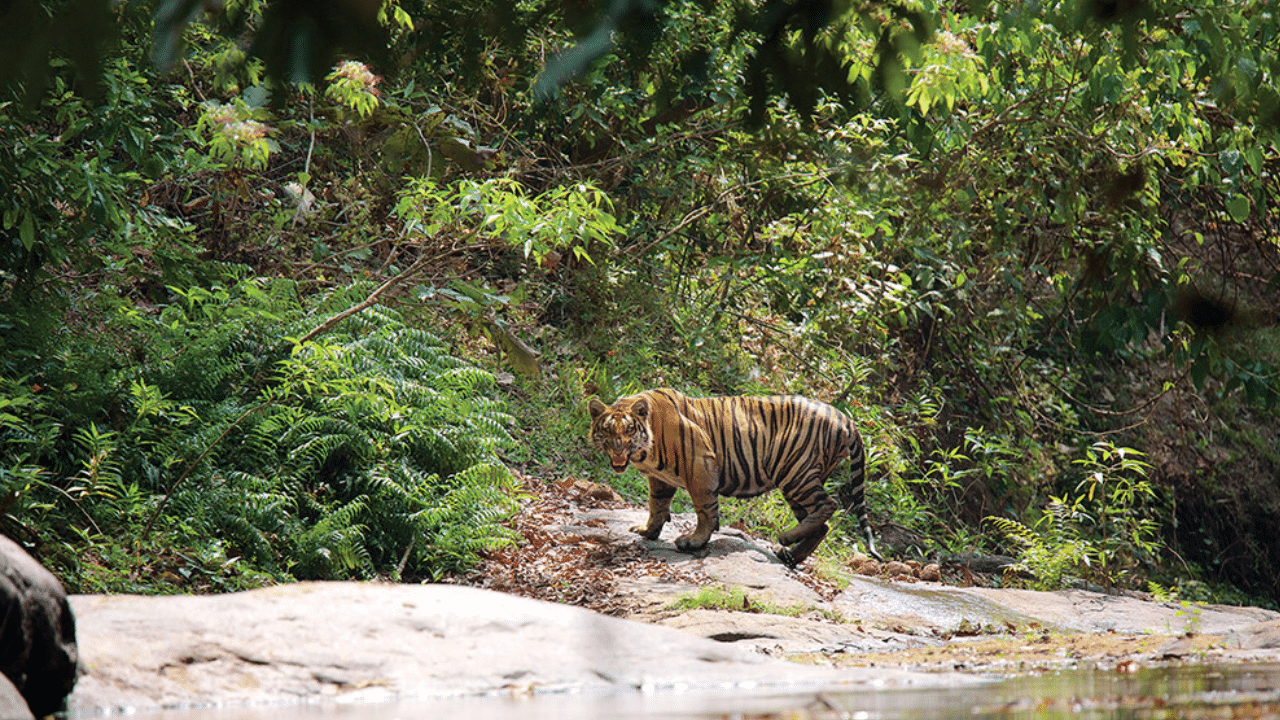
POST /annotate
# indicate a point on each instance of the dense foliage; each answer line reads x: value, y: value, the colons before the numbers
x: 1019, y: 243
x: 230, y: 443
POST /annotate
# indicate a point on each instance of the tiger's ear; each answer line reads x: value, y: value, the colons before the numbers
x: 641, y: 408
x: 596, y: 407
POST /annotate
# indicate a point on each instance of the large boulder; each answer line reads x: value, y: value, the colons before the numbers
x: 37, y: 631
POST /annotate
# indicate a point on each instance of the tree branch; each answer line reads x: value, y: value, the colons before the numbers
x: 368, y: 302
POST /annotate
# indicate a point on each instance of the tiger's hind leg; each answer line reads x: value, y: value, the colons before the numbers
x: 813, y: 508
x: 796, y: 554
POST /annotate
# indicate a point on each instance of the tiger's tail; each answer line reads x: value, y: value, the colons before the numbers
x: 853, y: 493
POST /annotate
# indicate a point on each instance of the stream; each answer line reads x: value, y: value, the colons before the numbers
x: 1184, y: 692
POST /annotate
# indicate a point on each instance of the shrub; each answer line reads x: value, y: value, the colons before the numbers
x: 368, y: 451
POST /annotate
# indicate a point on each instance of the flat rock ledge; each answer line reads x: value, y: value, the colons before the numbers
x: 312, y: 643
x: 368, y: 642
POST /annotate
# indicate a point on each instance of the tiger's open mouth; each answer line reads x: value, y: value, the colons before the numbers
x: 620, y: 461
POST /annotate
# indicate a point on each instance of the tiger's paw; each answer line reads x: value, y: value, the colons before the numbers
x: 644, y: 532
x: 785, y: 555
x: 689, y: 543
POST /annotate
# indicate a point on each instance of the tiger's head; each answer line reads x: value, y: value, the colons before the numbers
x: 621, y: 430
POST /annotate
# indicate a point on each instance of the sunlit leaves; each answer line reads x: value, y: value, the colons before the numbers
x: 353, y: 86
x: 359, y: 454
x: 950, y: 72
x: 571, y: 218
x: 235, y: 137
x: 72, y: 174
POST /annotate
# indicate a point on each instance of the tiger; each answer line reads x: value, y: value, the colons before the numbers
x: 735, y: 447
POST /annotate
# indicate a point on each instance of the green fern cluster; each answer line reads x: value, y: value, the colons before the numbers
x: 1116, y: 499
x: 370, y: 451
x: 1050, y: 550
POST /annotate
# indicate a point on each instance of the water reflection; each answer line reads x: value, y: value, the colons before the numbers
x: 1185, y: 692
x: 1192, y: 691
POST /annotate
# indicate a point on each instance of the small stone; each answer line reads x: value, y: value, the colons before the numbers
x: 895, y: 568
x: 596, y: 491
x: 303, y: 200
x: 870, y: 567
x: 588, y: 489
x: 931, y: 573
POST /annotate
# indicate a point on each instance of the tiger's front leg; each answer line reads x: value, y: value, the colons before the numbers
x: 707, y: 506
x: 708, y: 522
x: 660, y: 495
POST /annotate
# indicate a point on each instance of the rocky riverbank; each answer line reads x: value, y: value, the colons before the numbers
x: 607, y: 612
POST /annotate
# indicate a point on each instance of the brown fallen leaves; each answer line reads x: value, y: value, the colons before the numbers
x: 569, y: 567
x: 569, y: 558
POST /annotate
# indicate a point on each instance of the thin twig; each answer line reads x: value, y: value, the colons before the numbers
x: 404, y: 559
x: 146, y: 532
x: 368, y: 302
x: 311, y: 112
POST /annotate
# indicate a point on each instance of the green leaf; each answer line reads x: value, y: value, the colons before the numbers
x: 1200, y: 371
x: 256, y: 96
x: 522, y: 357
x: 1232, y: 161
x: 1238, y: 207
x: 27, y: 231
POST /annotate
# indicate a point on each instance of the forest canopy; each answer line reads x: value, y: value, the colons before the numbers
x: 294, y: 290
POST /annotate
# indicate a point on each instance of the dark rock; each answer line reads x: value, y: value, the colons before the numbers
x: 900, y: 540
x: 37, y: 631
x: 979, y: 563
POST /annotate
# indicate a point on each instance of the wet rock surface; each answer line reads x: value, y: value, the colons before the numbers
x: 623, y: 618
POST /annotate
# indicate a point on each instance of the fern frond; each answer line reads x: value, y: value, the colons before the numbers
x: 1014, y: 530
x: 329, y: 461
x: 335, y: 545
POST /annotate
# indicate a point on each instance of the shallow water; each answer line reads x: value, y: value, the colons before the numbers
x: 1184, y: 692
